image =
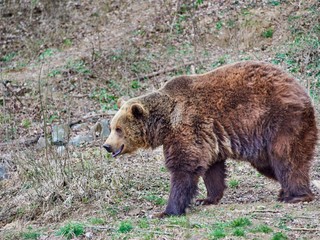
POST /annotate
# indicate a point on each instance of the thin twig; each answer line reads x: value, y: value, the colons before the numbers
x: 265, y: 211
x: 101, y: 228
x: 154, y: 74
x: 27, y: 142
x: 88, y: 117
x: 155, y: 232
x: 43, y: 113
x: 304, y: 229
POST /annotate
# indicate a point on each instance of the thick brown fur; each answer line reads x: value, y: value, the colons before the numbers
x: 249, y: 111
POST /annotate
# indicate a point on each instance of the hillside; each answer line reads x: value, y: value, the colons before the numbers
x: 64, y: 65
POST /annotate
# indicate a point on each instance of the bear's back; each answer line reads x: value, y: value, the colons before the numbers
x: 251, y: 84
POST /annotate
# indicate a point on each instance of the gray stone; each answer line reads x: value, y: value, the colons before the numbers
x: 89, y: 235
x: 81, y: 126
x: 79, y: 139
x: 60, y: 134
x: 105, y: 128
x: 100, y: 129
x: 61, y: 150
x: 3, y: 172
x: 41, y: 143
x: 316, y: 183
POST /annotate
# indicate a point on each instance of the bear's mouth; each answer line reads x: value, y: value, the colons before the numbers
x: 118, y: 151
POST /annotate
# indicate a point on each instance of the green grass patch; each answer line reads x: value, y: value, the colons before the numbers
x: 240, y: 222
x: 239, y: 232
x: 233, y: 183
x: 262, y: 228
x: 156, y: 200
x: 181, y: 221
x: 219, y: 25
x: 279, y: 236
x: 106, y: 99
x: 97, y: 221
x: 26, y: 123
x: 30, y: 234
x: 71, y: 230
x: 274, y: 3
x: 54, y: 72
x: 67, y: 42
x: 47, y: 53
x: 217, y: 233
x: 268, y: 33
x: 78, y: 66
x: 135, y: 84
x: 143, y: 223
x: 125, y: 227
x: 8, y: 57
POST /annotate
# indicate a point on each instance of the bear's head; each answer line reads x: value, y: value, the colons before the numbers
x: 128, y: 132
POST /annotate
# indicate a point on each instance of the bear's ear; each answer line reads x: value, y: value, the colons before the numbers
x: 138, y: 111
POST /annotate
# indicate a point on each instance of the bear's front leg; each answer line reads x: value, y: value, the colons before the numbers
x: 184, y: 187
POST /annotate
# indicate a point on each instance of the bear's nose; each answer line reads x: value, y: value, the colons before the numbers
x: 107, y: 147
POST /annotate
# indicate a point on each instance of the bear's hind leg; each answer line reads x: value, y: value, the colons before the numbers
x: 290, y: 160
x: 214, y: 180
x: 269, y: 173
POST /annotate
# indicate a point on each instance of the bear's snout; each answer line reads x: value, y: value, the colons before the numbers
x: 110, y: 149
x: 107, y: 147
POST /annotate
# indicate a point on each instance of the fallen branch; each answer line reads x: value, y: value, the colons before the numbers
x: 81, y: 120
x: 101, y: 228
x: 265, y: 211
x: 154, y: 232
x: 80, y: 95
x: 22, y: 142
x: 154, y: 74
x: 304, y: 229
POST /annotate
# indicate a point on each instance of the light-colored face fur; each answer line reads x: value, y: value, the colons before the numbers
x: 127, y: 129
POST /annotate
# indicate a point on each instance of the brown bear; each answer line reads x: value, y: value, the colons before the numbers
x: 248, y: 111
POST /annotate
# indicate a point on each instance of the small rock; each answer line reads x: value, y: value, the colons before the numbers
x: 61, y: 150
x: 41, y: 143
x: 60, y: 134
x: 112, y: 112
x: 3, y: 173
x: 316, y: 183
x: 81, y: 126
x: 77, y: 140
x: 89, y: 235
x: 101, y: 129
x: 105, y: 128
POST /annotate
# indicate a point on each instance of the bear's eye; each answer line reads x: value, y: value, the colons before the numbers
x: 118, y: 130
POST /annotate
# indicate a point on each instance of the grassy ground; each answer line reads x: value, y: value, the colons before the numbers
x: 61, y: 63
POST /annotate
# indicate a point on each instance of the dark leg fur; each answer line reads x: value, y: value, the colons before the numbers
x: 267, y: 171
x: 291, y: 159
x: 183, y: 189
x: 214, y: 179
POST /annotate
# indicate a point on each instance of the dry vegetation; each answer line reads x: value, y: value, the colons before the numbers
x: 67, y: 62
